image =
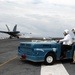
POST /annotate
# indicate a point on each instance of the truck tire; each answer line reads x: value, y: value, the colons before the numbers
x: 50, y: 59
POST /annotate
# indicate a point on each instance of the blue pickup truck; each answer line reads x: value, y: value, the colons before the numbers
x: 48, y: 52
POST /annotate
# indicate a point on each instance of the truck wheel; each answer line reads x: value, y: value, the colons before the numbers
x: 50, y: 58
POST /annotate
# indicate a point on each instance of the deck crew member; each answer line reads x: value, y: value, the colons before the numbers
x: 73, y: 30
x: 67, y: 43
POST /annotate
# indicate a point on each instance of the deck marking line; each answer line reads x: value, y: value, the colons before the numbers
x: 8, y: 61
x: 57, y: 69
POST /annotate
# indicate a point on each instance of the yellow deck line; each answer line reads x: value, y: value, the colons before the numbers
x: 8, y: 61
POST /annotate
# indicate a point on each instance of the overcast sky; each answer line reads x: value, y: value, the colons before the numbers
x: 46, y: 18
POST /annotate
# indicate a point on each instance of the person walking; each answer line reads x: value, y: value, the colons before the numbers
x: 73, y: 30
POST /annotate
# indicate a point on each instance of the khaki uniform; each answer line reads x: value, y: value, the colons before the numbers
x: 73, y: 30
x: 74, y: 57
x: 74, y: 52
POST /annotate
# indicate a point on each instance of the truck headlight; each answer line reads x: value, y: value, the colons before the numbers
x: 54, y: 49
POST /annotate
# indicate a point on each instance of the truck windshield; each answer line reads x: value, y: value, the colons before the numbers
x: 25, y: 45
x: 42, y: 46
